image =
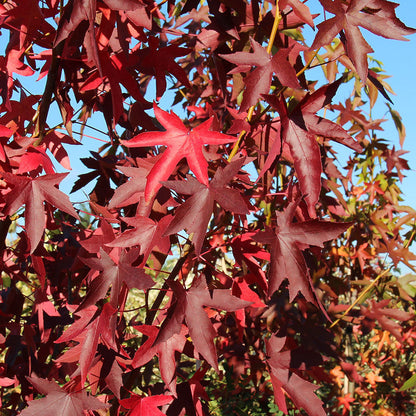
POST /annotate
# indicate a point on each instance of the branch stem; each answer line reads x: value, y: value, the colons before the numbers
x: 362, y: 294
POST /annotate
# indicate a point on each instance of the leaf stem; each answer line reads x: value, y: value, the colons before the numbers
x: 277, y: 18
x: 273, y: 33
x: 161, y: 295
x: 362, y: 294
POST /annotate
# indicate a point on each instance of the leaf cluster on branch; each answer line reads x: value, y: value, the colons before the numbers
x: 238, y: 254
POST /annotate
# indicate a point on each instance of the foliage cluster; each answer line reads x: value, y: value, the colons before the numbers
x: 230, y: 259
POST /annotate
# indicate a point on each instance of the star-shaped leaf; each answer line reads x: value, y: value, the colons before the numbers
x: 287, y: 241
x: 377, y: 16
x: 159, y: 61
x: 146, y: 233
x: 114, y: 274
x: 189, y: 306
x: 69, y: 404
x: 181, y: 143
x: 129, y: 192
x: 299, y: 129
x: 384, y: 316
x: 88, y: 330
x: 145, y: 406
x: 164, y: 350
x: 299, y: 390
x: 259, y: 80
x: 31, y: 193
x: 195, y: 213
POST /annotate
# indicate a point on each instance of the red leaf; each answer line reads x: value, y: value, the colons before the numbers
x: 160, y: 61
x: 300, y: 9
x: 189, y: 306
x: 299, y: 129
x: 146, y: 233
x: 145, y: 406
x: 384, y: 316
x: 69, y: 404
x: 114, y: 274
x: 87, y: 331
x: 287, y: 241
x: 181, y: 143
x: 377, y: 16
x: 259, y: 80
x: 32, y: 193
x: 195, y: 213
x: 298, y: 389
x: 164, y: 350
x: 130, y: 191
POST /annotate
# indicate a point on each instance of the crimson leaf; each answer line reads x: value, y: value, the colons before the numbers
x: 287, y: 240
x: 69, y: 404
x: 377, y: 16
x: 259, y: 80
x: 181, y: 143
x: 32, y: 193
x: 195, y: 213
x: 189, y: 306
x: 299, y: 129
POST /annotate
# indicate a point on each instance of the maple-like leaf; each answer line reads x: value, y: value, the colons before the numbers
x: 88, y: 330
x: 146, y: 233
x: 164, y: 350
x: 31, y: 193
x: 377, y: 16
x: 145, y: 406
x: 114, y: 274
x: 259, y: 80
x: 189, y: 306
x: 131, y: 191
x: 393, y: 160
x: 181, y: 143
x: 384, y: 316
x: 98, y: 238
x: 299, y: 390
x: 300, y: 9
x: 195, y: 213
x: 299, y: 129
x: 287, y: 240
x: 60, y: 402
x: 159, y: 61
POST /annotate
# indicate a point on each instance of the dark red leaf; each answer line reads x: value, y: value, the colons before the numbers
x: 69, y: 404
x: 31, y: 193
x: 189, y: 306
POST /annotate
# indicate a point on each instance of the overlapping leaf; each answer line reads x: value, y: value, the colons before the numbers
x: 259, y: 80
x: 287, y: 241
x: 181, y: 143
x: 299, y: 129
x: 189, y: 305
x: 87, y: 331
x: 164, y: 350
x: 31, y: 193
x: 69, y: 404
x: 195, y: 213
x: 377, y: 16
x: 114, y: 274
x: 300, y: 390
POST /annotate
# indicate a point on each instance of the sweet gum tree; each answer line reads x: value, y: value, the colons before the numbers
x: 239, y: 255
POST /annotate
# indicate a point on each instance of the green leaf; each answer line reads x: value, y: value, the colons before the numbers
x: 409, y: 384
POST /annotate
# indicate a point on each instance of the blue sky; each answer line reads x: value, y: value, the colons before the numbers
x: 399, y: 59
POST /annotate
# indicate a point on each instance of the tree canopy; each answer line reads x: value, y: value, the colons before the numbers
x: 243, y: 250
